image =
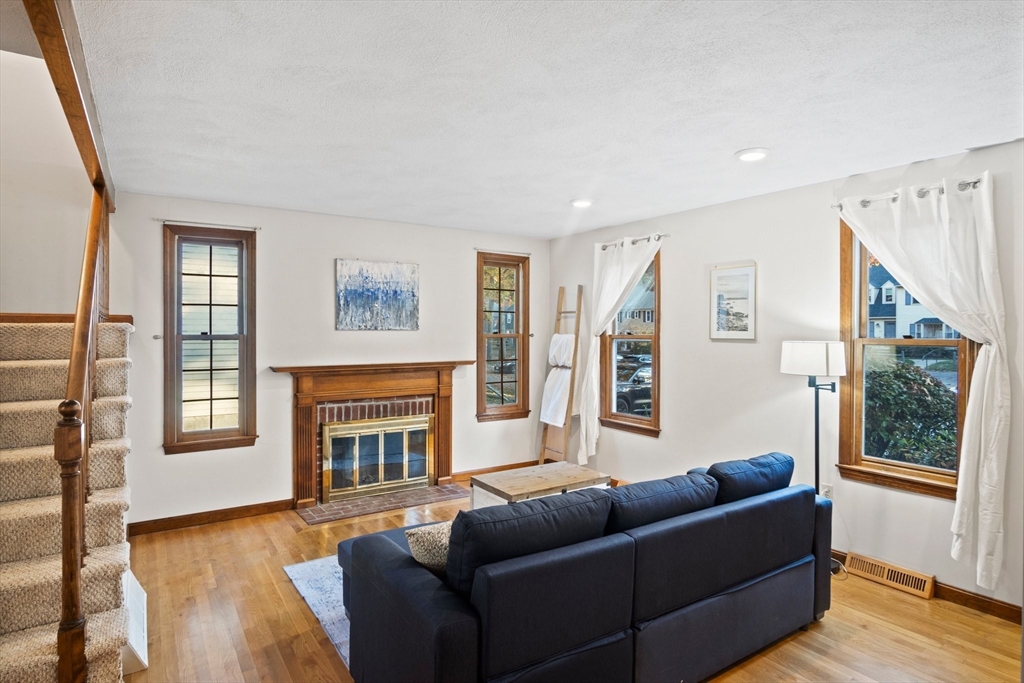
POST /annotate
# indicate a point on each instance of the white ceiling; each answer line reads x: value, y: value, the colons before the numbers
x: 494, y: 115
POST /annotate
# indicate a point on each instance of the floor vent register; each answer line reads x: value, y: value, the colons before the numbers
x: 890, y: 575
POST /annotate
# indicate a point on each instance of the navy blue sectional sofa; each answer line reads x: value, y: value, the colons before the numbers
x: 667, y: 580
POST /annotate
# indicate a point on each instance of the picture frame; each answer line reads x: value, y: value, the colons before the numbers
x: 375, y: 295
x: 733, y: 309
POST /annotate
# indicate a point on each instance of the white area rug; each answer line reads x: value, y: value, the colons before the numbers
x: 319, y: 584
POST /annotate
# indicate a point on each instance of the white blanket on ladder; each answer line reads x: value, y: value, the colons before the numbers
x: 556, y: 388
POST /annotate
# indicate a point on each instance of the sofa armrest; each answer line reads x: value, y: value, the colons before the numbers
x: 407, y: 625
x: 822, y: 550
x: 697, y: 470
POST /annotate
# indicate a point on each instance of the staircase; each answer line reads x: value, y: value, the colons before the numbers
x: 33, y: 377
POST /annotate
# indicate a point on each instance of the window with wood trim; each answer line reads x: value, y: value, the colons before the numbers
x: 209, y: 338
x: 630, y: 356
x: 502, y: 336
x: 902, y: 407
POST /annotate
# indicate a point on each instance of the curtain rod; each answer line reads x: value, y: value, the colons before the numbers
x: 921, y: 193
x: 498, y: 251
x: 209, y: 225
x: 657, y: 238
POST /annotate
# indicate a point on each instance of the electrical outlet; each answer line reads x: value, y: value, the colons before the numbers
x: 826, y: 491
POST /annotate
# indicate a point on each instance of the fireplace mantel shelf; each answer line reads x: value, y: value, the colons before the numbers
x: 369, y: 367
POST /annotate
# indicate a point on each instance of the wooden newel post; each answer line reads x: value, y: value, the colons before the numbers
x: 69, y: 442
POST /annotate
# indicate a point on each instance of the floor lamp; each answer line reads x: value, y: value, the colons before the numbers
x: 815, y: 359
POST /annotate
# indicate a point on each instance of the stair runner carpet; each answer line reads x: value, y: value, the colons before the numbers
x: 33, y: 377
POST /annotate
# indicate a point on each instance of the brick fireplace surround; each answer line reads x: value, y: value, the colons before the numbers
x: 329, y: 393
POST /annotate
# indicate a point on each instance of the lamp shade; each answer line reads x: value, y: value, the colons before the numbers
x: 814, y: 358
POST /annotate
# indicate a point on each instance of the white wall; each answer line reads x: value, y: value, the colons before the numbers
x: 44, y: 193
x: 723, y: 400
x: 295, y: 255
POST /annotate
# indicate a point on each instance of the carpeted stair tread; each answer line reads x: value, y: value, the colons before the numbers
x: 31, y: 423
x: 36, y: 380
x: 30, y: 655
x: 31, y: 528
x: 52, y: 341
x: 32, y: 472
x: 30, y: 589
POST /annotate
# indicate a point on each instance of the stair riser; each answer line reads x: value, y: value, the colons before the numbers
x: 40, y: 603
x: 39, y: 535
x: 103, y: 669
x: 41, y: 382
x: 30, y: 655
x: 40, y: 477
x: 24, y: 428
x: 53, y: 341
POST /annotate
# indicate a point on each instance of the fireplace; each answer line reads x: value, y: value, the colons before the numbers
x: 326, y: 394
x: 366, y: 457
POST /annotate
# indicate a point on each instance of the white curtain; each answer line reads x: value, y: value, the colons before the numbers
x: 940, y: 243
x: 618, y: 267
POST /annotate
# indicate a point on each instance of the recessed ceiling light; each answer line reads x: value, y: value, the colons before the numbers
x: 581, y: 203
x: 752, y: 154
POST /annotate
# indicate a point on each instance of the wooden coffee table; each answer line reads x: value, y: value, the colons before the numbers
x: 524, y: 483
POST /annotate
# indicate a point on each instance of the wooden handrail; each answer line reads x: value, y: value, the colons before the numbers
x: 71, y: 444
x: 88, y: 308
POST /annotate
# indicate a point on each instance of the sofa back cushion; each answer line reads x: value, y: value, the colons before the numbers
x: 491, y: 534
x: 646, y: 502
x: 688, y: 558
x: 739, y: 479
x: 547, y: 604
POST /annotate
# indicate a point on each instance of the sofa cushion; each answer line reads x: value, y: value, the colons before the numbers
x: 687, y: 558
x: 501, y: 532
x: 739, y: 479
x: 645, y: 502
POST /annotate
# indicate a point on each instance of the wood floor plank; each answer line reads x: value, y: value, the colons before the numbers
x: 221, y: 608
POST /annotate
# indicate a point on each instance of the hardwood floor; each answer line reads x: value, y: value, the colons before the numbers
x: 222, y: 609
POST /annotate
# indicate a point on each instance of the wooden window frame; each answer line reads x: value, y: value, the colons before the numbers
x: 632, y: 423
x: 520, y: 409
x: 175, y: 440
x: 853, y: 464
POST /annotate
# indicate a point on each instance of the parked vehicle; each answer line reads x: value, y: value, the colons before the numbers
x: 633, y: 390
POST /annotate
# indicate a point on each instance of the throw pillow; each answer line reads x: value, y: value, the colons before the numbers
x: 429, y: 545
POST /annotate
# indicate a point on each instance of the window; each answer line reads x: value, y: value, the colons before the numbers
x: 629, y: 359
x: 889, y: 295
x: 902, y: 406
x: 209, y: 338
x: 503, y: 332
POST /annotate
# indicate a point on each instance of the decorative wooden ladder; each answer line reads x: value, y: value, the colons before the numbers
x: 554, y: 441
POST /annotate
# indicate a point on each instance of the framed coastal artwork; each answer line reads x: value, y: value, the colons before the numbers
x: 734, y: 302
x: 376, y: 295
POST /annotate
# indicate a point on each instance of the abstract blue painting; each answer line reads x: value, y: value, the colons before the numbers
x: 373, y: 295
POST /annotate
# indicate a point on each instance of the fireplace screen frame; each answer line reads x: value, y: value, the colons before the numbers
x: 358, y: 428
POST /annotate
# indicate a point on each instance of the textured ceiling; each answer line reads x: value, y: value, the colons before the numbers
x: 16, y: 31
x: 494, y: 115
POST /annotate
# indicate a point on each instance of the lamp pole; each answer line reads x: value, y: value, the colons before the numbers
x: 812, y: 382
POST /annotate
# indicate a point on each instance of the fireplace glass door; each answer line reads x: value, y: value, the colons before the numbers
x: 372, y: 456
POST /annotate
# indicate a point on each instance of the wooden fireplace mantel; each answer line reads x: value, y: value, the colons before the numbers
x: 324, y: 383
